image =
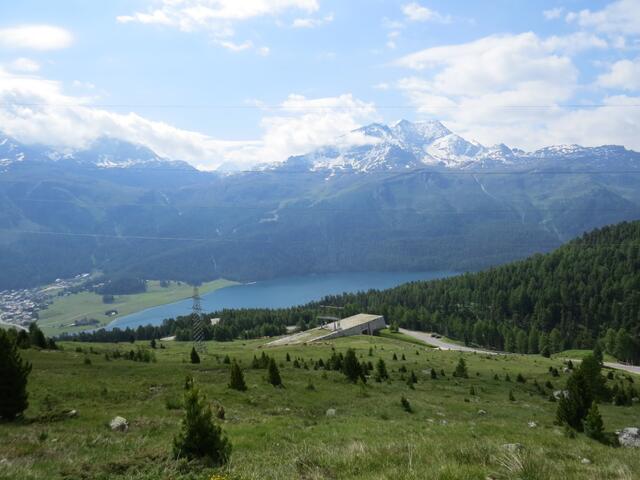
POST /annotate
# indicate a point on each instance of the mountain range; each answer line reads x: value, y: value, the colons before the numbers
x: 411, y: 196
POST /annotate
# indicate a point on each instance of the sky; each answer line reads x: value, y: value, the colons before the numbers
x: 236, y: 83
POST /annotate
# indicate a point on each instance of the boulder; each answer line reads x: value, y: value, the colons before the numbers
x: 513, y: 447
x: 560, y: 393
x: 72, y: 413
x: 630, y: 437
x: 119, y: 424
x: 585, y: 461
x: 331, y: 412
x: 532, y: 424
x: 482, y: 412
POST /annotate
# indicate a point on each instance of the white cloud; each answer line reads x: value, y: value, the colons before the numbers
x: 35, y: 37
x: 311, y: 22
x: 190, y: 15
x: 553, y: 13
x: 511, y: 89
x: 235, y: 47
x: 623, y: 74
x: 415, y: 12
x: 621, y: 17
x: 23, y: 64
x: 40, y: 111
x: 218, y: 17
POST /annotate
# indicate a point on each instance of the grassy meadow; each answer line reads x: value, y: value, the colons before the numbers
x: 287, y: 434
x: 65, y: 310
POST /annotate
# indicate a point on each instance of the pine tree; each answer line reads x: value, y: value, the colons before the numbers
x: 200, y: 436
x: 36, y: 337
x: 153, y: 343
x: 274, y: 374
x: 434, y: 374
x: 351, y: 367
x: 195, y: 358
x: 593, y: 424
x: 461, y: 369
x: 13, y: 379
x: 237, y: 378
x: 573, y: 407
x: 381, y: 371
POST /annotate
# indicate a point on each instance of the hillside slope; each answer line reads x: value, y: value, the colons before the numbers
x: 586, y: 291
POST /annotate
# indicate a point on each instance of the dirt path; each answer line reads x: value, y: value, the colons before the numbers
x: 444, y: 345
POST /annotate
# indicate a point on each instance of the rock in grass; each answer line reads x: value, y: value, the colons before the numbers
x: 513, y: 447
x: 560, y: 393
x: 630, y: 437
x: 585, y: 461
x: 482, y: 412
x: 119, y: 424
x: 72, y: 413
x: 331, y: 412
x: 532, y: 424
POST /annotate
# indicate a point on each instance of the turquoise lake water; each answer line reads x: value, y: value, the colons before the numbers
x: 277, y: 293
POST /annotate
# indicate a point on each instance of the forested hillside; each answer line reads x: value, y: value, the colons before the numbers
x: 585, y: 291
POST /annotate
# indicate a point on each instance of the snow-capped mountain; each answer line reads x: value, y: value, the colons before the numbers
x: 105, y: 152
x: 408, y: 145
x: 10, y: 151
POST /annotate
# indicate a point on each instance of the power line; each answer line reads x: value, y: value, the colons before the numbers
x: 273, y: 241
x: 313, y: 209
x: 305, y: 107
x: 330, y: 173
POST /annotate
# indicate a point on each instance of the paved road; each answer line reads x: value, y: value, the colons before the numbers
x: 444, y: 345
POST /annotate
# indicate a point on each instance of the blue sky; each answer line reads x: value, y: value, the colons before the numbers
x: 221, y: 82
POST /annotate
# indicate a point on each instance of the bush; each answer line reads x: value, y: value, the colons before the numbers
x: 199, y: 436
x: 195, y: 358
x: 406, y: 406
x: 14, y: 373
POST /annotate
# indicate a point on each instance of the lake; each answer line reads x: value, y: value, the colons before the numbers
x: 277, y: 293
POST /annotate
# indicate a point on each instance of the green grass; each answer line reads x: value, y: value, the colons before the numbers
x: 65, y: 310
x: 286, y: 434
x: 580, y: 354
x: 386, y: 333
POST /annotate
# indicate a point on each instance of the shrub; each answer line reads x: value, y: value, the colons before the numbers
x: 593, y: 424
x: 14, y: 373
x: 406, y: 406
x: 237, y: 378
x: 511, y: 397
x: 195, y: 358
x: 521, y: 379
x: 381, y: 371
x: 434, y: 374
x: 199, y: 436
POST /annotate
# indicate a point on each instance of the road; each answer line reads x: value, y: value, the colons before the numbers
x: 444, y: 345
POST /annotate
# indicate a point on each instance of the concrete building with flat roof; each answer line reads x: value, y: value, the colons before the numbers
x: 361, y: 324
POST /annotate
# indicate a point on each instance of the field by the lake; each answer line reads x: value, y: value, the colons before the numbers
x: 66, y: 310
x: 318, y: 427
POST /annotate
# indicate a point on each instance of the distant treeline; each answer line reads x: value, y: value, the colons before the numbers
x: 583, y: 293
x: 233, y: 324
